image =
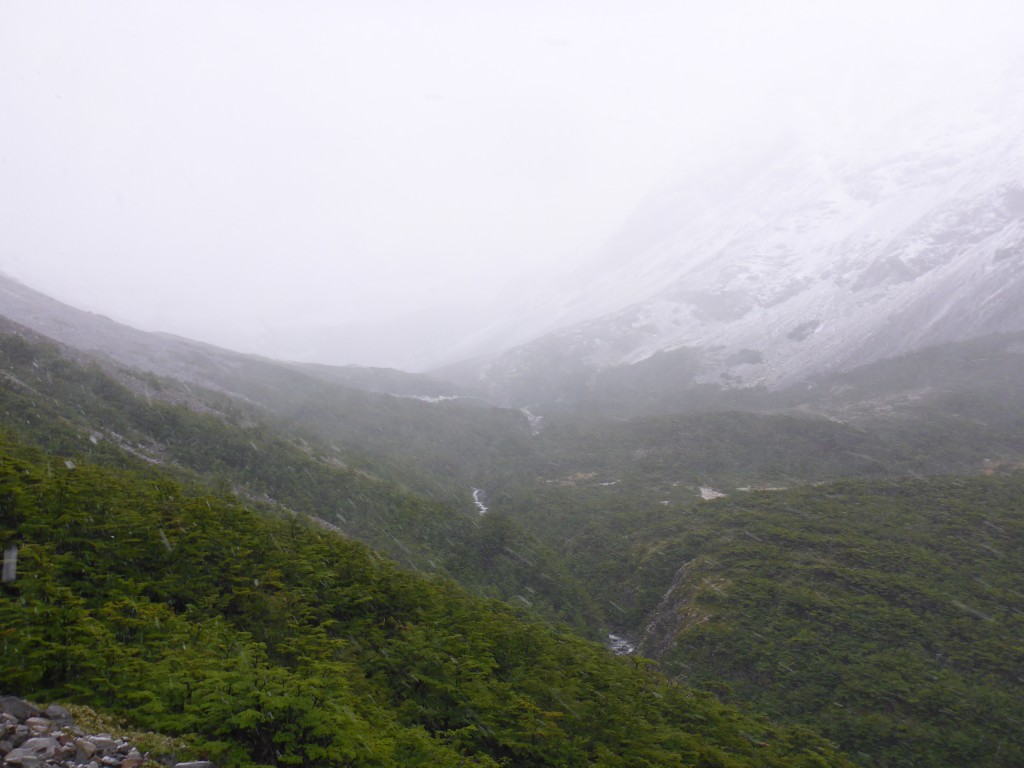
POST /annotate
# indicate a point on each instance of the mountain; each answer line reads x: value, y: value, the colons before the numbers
x: 382, y: 421
x: 596, y: 518
x: 817, y: 252
x: 249, y: 377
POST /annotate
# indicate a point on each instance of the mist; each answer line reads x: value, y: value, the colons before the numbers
x: 373, y: 182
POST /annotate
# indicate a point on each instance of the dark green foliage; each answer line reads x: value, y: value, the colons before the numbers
x: 728, y: 448
x: 279, y: 643
x: 889, y: 616
x: 877, y: 614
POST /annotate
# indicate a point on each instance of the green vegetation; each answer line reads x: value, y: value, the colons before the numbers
x: 276, y: 642
x: 885, y: 613
x: 83, y: 412
x: 91, y: 720
x: 889, y: 616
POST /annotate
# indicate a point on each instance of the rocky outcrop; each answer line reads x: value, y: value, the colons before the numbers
x: 35, y: 737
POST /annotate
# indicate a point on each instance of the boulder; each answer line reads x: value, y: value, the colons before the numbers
x: 41, y: 745
x: 84, y: 750
x: 19, y: 708
x: 103, y: 742
x: 22, y: 758
x: 58, y: 714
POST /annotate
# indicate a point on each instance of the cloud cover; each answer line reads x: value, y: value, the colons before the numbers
x: 227, y: 170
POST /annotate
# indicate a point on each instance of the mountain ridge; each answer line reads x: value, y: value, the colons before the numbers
x: 801, y: 258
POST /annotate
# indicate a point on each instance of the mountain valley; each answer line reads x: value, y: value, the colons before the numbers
x: 512, y: 385
x: 664, y: 515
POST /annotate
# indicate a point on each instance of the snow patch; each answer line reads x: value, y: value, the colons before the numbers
x: 708, y: 493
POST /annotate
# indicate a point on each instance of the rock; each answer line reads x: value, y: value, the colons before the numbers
x: 28, y: 739
x: 42, y: 745
x: 103, y: 742
x: 22, y: 758
x: 22, y: 710
x: 84, y: 750
x: 58, y: 714
x: 38, y: 726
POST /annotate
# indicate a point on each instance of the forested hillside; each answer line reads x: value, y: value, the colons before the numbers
x: 120, y: 417
x: 883, y: 613
x: 512, y: 385
x: 279, y: 643
x: 886, y: 614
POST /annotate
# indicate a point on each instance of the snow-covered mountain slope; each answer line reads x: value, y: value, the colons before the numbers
x: 820, y: 253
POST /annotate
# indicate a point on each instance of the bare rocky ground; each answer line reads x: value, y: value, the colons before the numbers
x: 37, y: 737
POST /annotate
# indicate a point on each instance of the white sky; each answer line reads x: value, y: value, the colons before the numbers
x: 217, y: 167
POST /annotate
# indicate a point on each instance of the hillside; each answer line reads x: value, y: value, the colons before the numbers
x: 84, y: 412
x: 595, y: 517
x: 280, y: 643
x: 888, y: 615
x: 885, y: 613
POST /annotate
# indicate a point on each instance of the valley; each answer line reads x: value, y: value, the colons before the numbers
x: 819, y: 554
x: 512, y: 385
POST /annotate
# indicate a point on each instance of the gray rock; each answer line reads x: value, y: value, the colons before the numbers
x: 103, y: 742
x: 22, y: 758
x: 21, y: 709
x: 5, y: 747
x: 58, y: 714
x: 84, y: 750
x: 42, y: 745
x: 37, y: 726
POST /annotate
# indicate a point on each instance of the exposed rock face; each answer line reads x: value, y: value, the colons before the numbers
x: 31, y: 737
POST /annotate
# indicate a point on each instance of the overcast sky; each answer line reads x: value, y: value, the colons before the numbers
x: 211, y: 167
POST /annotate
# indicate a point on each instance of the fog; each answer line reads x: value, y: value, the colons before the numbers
x: 357, y: 181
